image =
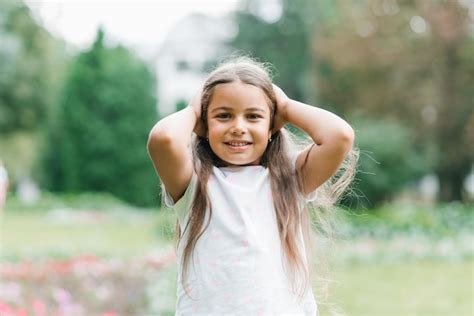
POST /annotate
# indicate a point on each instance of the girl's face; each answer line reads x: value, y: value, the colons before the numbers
x: 238, y: 123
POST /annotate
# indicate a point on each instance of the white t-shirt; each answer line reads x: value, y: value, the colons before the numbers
x: 237, y: 268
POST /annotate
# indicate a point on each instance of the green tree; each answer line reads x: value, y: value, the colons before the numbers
x: 31, y: 63
x: 97, y: 137
x: 408, y: 60
x: 403, y: 60
x: 282, y: 40
x: 386, y: 163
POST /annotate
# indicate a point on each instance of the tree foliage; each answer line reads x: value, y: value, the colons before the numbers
x: 388, y: 160
x: 408, y: 60
x: 97, y: 137
x: 284, y: 43
x: 31, y: 63
x: 405, y: 61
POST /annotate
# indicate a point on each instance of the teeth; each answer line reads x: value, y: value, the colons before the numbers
x: 238, y: 144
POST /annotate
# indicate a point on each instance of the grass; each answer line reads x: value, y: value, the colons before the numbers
x: 417, y: 288
x: 33, y: 235
x: 372, y: 287
x: 406, y: 288
x: 57, y: 233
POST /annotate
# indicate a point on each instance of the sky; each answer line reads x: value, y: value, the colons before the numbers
x: 141, y: 25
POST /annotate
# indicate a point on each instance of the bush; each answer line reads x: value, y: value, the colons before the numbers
x: 389, y: 160
x: 96, y: 140
x: 437, y: 221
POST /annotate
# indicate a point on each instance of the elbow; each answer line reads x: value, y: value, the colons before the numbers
x: 346, y: 138
x: 158, y: 138
x: 349, y: 135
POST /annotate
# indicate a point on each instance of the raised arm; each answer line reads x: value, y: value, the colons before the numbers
x: 333, y: 139
x: 168, y: 149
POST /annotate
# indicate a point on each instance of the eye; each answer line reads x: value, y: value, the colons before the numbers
x: 223, y: 116
x: 254, y: 116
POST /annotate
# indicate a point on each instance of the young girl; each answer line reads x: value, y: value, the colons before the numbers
x: 241, y: 196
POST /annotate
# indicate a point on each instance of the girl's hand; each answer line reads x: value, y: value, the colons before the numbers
x: 282, y: 103
x: 195, y: 104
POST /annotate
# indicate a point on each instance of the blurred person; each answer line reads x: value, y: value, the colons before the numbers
x: 3, y: 185
x: 27, y: 190
x: 252, y: 257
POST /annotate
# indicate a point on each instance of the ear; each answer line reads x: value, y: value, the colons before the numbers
x: 200, y: 130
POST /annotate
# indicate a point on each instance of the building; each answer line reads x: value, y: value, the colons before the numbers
x: 188, y: 53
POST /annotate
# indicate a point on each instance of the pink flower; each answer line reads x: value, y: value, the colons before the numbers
x: 61, y: 296
x: 39, y: 308
x: 5, y: 309
x: 110, y: 314
x: 69, y: 308
x: 21, y: 312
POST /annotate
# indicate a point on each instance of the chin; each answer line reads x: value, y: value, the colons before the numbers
x: 234, y: 162
x: 243, y: 162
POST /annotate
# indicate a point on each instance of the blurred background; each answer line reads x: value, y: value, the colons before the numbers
x: 82, y: 83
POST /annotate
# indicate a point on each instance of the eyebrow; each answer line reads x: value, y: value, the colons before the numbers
x: 225, y: 108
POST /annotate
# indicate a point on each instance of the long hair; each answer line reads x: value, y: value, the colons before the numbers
x: 292, y: 213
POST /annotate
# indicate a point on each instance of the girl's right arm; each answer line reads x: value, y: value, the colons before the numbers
x: 168, y: 149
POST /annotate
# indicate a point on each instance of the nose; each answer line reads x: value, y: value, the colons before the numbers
x: 238, y: 128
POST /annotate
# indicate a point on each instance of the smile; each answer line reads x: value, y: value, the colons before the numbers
x: 238, y: 144
x: 237, y: 147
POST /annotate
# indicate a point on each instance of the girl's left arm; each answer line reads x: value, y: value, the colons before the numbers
x: 333, y: 139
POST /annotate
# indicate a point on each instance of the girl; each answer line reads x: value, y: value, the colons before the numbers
x: 241, y: 196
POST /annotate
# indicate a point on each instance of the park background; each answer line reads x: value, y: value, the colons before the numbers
x: 82, y: 231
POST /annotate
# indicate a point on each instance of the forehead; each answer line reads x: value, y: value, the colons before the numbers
x: 238, y: 96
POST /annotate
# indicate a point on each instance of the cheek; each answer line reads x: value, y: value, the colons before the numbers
x: 214, y: 131
x: 263, y: 131
x: 215, y: 136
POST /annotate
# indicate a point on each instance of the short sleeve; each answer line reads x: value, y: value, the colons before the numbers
x: 182, y: 206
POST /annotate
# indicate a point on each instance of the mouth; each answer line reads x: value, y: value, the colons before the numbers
x: 238, y: 145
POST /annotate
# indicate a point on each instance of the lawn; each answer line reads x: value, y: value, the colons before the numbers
x: 420, y: 288
x: 405, y: 286
x: 59, y: 233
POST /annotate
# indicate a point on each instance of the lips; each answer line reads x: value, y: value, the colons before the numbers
x: 238, y: 143
x: 238, y: 146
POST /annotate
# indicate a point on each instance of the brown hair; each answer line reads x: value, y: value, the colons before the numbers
x: 292, y: 213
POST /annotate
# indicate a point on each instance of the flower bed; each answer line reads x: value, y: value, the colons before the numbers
x: 84, y: 285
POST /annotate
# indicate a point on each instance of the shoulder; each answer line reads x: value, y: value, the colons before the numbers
x: 183, y: 204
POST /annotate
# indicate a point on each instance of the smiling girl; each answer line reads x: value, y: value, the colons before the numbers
x: 241, y: 192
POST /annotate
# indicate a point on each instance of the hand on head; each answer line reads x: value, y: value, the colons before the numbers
x: 280, y: 116
x: 195, y: 104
